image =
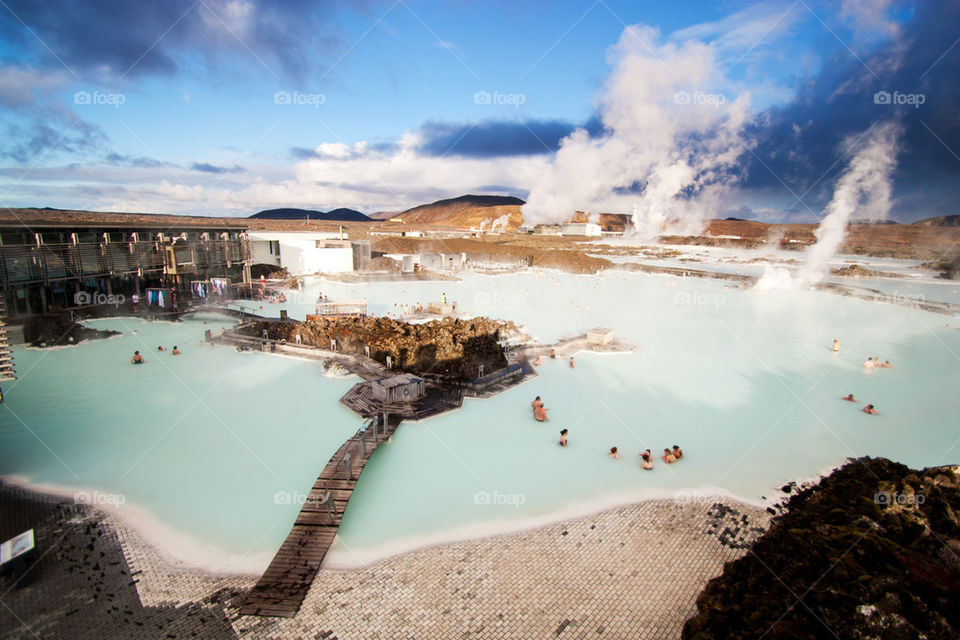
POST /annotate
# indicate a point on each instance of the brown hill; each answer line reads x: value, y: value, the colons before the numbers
x: 466, y: 211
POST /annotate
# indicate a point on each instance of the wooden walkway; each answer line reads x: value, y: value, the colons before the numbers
x: 281, y: 590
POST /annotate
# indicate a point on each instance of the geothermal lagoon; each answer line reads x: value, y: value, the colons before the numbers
x: 210, y: 453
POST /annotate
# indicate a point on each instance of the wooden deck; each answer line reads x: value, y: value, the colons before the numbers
x: 284, y: 585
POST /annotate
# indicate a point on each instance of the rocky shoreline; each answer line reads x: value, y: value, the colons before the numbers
x: 871, y: 551
x: 57, y: 330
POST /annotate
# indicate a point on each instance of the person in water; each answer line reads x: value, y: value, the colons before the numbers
x: 868, y: 364
x: 553, y: 353
x: 160, y: 348
x: 668, y: 456
x: 563, y: 437
x: 647, y: 460
x: 537, y: 402
x: 869, y: 409
x: 540, y: 413
x: 677, y: 452
x: 614, y: 453
x: 175, y: 351
x: 836, y: 345
x: 571, y: 362
x: 887, y: 365
x: 849, y: 398
x: 137, y: 358
x: 538, y: 361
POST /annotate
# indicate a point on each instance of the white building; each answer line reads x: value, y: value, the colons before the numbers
x: 581, y: 229
x: 301, y: 253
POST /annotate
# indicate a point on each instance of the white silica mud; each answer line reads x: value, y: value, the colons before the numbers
x: 216, y: 448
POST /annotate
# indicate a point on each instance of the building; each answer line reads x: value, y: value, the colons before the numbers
x: 405, y: 387
x: 302, y: 253
x: 52, y: 259
x: 580, y: 229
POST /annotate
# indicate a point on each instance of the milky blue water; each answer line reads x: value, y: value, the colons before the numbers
x: 744, y: 381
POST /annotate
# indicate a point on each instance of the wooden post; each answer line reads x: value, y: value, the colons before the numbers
x: 363, y: 445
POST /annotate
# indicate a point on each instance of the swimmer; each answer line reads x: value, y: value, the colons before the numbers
x: 614, y: 453
x: 849, y: 398
x: 668, y: 456
x: 540, y: 413
x: 868, y: 364
x: 537, y: 402
x: 538, y: 361
x: 571, y: 362
x: 869, y: 409
x: 137, y: 358
x: 160, y: 348
x: 553, y: 353
x: 677, y: 452
x: 887, y: 365
x: 876, y: 362
x: 563, y: 437
x: 175, y: 351
x: 836, y: 345
x: 647, y: 460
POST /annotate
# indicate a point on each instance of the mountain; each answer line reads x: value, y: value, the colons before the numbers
x: 940, y: 221
x: 337, y: 215
x: 465, y: 211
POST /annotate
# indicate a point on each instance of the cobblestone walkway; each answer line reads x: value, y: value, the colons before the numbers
x: 633, y: 572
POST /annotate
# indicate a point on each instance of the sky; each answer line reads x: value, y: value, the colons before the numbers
x: 228, y: 107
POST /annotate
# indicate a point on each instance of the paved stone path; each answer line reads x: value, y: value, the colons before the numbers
x: 633, y: 572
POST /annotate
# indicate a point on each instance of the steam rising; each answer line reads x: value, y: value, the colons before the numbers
x: 670, y: 141
x: 863, y: 191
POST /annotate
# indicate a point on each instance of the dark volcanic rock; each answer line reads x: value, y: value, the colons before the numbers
x: 59, y: 329
x: 448, y: 347
x: 873, y: 551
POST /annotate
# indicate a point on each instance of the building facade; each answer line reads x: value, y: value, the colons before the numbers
x: 50, y: 262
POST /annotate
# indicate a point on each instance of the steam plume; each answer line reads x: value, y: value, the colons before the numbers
x: 670, y: 141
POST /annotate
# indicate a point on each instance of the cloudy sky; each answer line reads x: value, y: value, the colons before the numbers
x: 227, y: 107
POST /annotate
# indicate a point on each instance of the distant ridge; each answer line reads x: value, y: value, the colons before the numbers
x: 471, y: 200
x: 464, y: 211
x: 337, y: 215
x: 940, y: 221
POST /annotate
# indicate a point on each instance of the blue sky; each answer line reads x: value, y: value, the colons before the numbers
x: 226, y: 107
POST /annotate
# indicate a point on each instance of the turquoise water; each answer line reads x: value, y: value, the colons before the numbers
x: 212, y: 443
x: 744, y: 381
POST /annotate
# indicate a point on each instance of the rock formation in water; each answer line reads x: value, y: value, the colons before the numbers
x: 58, y: 329
x: 449, y: 347
x: 872, y: 551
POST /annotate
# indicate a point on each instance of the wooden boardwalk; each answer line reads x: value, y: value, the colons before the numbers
x: 282, y: 588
